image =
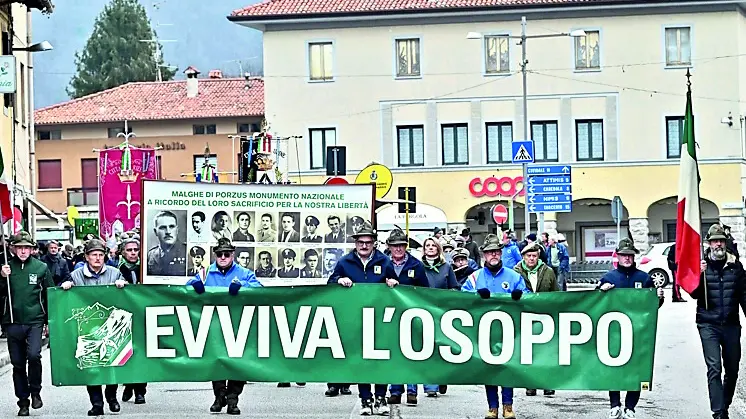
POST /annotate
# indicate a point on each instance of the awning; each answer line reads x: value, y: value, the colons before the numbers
x: 426, y: 218
x: 46, y: 211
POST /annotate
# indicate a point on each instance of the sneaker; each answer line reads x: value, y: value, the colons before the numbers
x: 615, y: 413
x: 139, y: 399
x: 508, y: 411
x: 491, y: 414
x: 380, y: 407
x: 530, y: 392
x: 331, y: 392
x: 366, y: 407
x: 629, y: 414
x: 442, y: 389
x: 36, y: 402
x: 432, y: 394
x: 549, y: 392
x: 412, y: 399
x: 395, y: 399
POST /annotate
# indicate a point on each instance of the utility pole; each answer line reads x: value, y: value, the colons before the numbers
x: 526, y: 134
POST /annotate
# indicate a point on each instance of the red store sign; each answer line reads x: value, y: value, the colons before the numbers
x: 494, y: 186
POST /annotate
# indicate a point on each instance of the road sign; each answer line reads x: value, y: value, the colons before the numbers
x: 523, y: 151
x: 336, y: 181
x: 499, y: 213
x: 617, y: 210
x: 539, y: 189
x: 550, y: 207
x: 549, y: 188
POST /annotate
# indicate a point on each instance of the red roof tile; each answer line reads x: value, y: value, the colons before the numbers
x: 310, y: 7
x: 152, y: 101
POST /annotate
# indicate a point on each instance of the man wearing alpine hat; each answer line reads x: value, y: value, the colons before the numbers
x: 225, y: 273
x: 495, y: 279
x: 366, y: 264
x: 626, y: 275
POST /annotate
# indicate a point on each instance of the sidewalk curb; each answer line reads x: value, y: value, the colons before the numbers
x: 5, y: 356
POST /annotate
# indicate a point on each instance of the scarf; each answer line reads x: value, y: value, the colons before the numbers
x: 532, y: 271
x: 433, y: 264
x: 132, y: 266
x: 496, y: 269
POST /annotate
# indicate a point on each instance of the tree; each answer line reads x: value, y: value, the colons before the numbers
x: 115, y: 55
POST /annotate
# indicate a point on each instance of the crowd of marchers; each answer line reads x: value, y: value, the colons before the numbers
x: 499, y: 265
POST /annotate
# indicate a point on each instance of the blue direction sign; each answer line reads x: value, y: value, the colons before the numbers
x: 549, y: 188
x: 550, y: 207
x: 523, y: 151
x: 540, y: 189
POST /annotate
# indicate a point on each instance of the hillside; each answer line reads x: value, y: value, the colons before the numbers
x: 204, y: 38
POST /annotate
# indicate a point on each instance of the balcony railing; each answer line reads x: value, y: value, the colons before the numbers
x: 82, y: 196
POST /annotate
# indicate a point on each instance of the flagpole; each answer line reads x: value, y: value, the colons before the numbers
x: 5, y: 262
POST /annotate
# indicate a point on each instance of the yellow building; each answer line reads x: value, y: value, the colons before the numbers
x: 434, y: 91
x: 16, y: 122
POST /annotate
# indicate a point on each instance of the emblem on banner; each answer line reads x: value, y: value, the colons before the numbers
x: 104, y: 336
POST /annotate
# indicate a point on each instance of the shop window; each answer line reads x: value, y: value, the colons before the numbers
x: 499, y: 139
x: 455, y: 144
x: 674, y: 136
x: 411, y: 144
x: 320, y: 138
x: 50, y: 174
x: 590, y: 140
x: 544, y: 134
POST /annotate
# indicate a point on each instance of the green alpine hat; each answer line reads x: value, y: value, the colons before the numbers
x: 224, y: 245
x: 492, y: 242
x: 716, y: 232
x: 366, y: 230
x: 626, y: 247
x: 23, y: 239
x: 397, y: 237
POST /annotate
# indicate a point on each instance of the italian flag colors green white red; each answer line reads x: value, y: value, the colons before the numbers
x: 6, y: 212
x: 688, y: 236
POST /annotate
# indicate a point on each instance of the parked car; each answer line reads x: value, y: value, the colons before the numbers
x: 655, y: 262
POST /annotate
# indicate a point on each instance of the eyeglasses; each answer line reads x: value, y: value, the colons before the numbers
x: 223, y: 254
x: 364, y: 242
x: 131, y: 250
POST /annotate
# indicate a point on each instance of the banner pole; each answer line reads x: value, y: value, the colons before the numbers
x: 406, y: 211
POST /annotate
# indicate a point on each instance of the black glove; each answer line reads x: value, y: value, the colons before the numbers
x: 234, y: 287
x: 516, y: 294
x: 199, y: 287
x: 484, y: 293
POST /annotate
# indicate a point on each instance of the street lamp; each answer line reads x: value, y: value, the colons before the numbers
x: 40, y: 47
x: 524, y: 62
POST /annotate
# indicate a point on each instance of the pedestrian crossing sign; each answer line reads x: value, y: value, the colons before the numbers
x: 523, y: 151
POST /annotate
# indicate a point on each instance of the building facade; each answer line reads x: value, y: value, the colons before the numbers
x: 433, y: 90
x: 177, y: 118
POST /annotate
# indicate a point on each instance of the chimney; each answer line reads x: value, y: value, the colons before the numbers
x: 192, y: 81
x: 216, y: 74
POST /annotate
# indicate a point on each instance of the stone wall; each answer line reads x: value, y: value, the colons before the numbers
x: 639, y: 229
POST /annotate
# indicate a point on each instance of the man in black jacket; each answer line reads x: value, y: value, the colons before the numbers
x: 57, y: 265
x: 675, y: 288
x: 721, y: 290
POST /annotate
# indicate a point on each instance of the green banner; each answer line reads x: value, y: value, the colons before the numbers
x: 369, y: 333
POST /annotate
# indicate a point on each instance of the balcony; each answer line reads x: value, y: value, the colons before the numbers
x: 81, y: 197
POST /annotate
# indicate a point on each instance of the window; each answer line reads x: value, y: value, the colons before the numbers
x: 408, y: 57
x: 158, y: 167
x: 320, y: 137
x: 50, y: 174
x: 247, y: 128
x: 53, y: 134
x: 411, y: 141
x: 455, y: 143
x: 590, y: 135
x: 199, y: 160
x: 544, y: 134
x: 499, y: 139
x: 89, y: 174
x: 113, y: 132
x: 22, y: 88
x: 678, y: 46
x: 320, y: 61
x: 497, y: 54
x: 674, y: 136
x: 588, y: 51
x: 203, y: 129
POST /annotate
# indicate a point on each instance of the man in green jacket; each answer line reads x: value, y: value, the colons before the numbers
x: 539, y: 278
x: 23, y: 292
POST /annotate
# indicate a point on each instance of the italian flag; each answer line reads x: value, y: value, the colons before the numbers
x: 688, y: 238
x: 6, y: 211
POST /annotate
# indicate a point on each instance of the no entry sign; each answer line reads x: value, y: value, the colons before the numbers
x: 499, y: 213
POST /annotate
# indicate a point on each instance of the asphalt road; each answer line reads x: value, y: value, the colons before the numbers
x: 679, y: 391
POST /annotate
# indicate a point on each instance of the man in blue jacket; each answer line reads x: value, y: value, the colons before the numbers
x: 225, y: 272
x: 410, y: 271
x: 495, y: 278
x: 511, y: 255
x: 626, y: 275
x: 366, y: 265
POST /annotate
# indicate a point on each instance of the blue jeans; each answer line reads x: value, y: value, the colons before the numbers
x: 398, y: 389
x: 507, y: 396
x: 364, y: 390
